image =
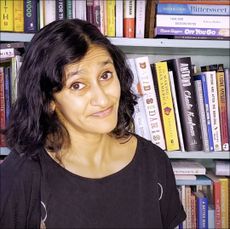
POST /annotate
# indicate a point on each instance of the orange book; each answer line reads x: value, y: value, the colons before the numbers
x: 129, y: 18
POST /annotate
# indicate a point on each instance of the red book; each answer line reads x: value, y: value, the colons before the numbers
x: 129, y: 18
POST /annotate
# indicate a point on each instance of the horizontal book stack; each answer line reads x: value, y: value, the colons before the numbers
x: 193, y: 106
x: 193, y: 19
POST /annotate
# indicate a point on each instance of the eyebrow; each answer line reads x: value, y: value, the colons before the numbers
x: 101, y: 64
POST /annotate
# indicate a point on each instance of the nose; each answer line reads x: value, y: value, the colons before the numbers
x: 99, y: 96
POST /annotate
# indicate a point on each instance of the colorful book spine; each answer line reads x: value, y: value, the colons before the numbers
x: 140, y: 18
x: 192, y: 21
x: 7, y: 92
x: 182, y: 71
x: 193, y: 9
x: 129, y: 18
x: 119, y: 18
x: 6, y: 13
x: 30, y: 16
x: 69, y: 9
x: 166, y: 106
x: 206, y: 2
x: 111, y: 18
x: 2, y: 106
x: 150, y: 101
x: 96, y: 14
x: 60, y: 9
x: 195, y: 32
x: 227, y: 87
x: 18, y: 16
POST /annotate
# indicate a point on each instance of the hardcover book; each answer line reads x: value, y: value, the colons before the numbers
x: 182, y: 72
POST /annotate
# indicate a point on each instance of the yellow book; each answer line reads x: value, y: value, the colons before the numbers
x: 111, y: 18
x: 18, y: 15
x: 6, y: 12
x: 167, y: 109
x: 224, y: 197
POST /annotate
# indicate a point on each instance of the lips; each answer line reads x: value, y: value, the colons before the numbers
x: 103, y: 113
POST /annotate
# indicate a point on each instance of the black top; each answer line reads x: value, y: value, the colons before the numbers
x: 141, y: 195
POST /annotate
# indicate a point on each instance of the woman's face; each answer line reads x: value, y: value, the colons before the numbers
x: 89, y: 100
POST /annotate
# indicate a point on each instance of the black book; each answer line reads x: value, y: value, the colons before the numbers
x: 188, y: 107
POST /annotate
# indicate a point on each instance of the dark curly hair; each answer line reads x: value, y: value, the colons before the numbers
x: 32, y: 122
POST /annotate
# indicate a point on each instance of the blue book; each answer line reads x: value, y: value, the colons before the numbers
x: 200, y: 180
x: 202, y: 210
x: 30, y: 16
x: 7, y: 93
x: 193, y: 9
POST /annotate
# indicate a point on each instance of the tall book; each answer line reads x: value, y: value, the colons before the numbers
x: 97, y: 14
x: 60, y: 9
x: 69, y: 9
x: 30, y: 16
x: 140, y: 18
x: 2, y: 106
x: 182, y: 72
x: 79, y: 9
x: 49, y: 11
x: 18, y: 16
x: 227, y: 87
x: 6, y: 14
x: 166, y: 107
x: 129, y: 18
x: 111, y: 18
x: 150, y: 100
x: 119, y: 18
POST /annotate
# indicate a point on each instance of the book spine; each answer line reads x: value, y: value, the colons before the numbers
x: 7, y: 93
x: 89, y: 10
x: 214, y: 109
x: 129, y: 18
x: 193, y: 9
x: 222, y: 107
x: 81, y: 10
x: 60, y: 9
x: 202, y: 212
x: 188, y: 207
x: 193, y: 211
x: 119, y: 18
x: 105, y: 18
x: 111, y: 18
x: 41, y: 13
x: 208, y: 2
x: 6, y: 53
x: 50, y: 11
x: 150, y: 101
x: 69, y: 9
x: 102, y: 17
x: 227, y: 87
x: 140, y: 19
x: 2, y: 106
x: 96, y: 14
x: 166, y: 106
x: 30, y: 16
x: 6, y: 14
x: 195, y: 32
x: 192, y: 21
x: 175, y: 104
x: 201, y: 110
x: 18, y: 16
x: 140, y: 119
x: 182, y: 71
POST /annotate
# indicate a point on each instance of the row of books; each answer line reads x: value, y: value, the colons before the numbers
x: 123, y: 18
x: 189, y: 19
x: 204, y: 195
x: 179, y: 109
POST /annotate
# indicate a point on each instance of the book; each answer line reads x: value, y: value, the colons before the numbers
x: 119, y: 18
x: 140, y: 119
x: 6, y: 14
x: 96, y: 14
x: 186, y: 98
x: 188, y: 167
x: 18, y: 16
x: 166, y: 107
x: 227, y: 89
x: 2, y: 107
x: 49, y: 11
x: 79, y: 9
x: 69, y: 9
x: 222, y: 168
x: 150, y: 17
x: 150, y: 100
x: 201, y: 111
x: 129, y: 18
x: 140, y: 18
x: 30, y: 16
x: 111, y: 18
x: 206, y: 2
x: 184, y: 177
x: 60, y: 9
x: 188, y: 206
x: 193, y: 9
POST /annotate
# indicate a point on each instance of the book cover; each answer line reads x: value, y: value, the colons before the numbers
x: 60, y: 9
x: 188, y: 167
x: 227, y: 88
x: 7, y: 12
x: 201, y: 111
x: 30, y: 16
x: 150, y: 100
x: 119, y: 18
x: 150, y: 18
x: 111, y: 18
x: 18, y: 16
x: 193, y: 9
x: 140, y: 18
x: 129, y: 18
x: 188, y: 108
x: 166, y: 107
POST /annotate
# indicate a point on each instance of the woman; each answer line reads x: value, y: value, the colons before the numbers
x: 74, y: 162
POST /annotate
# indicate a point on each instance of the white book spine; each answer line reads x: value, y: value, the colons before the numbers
x: 150, y: 101
x: 80, y: 9
x: 191, y: 21
x: 41, y: 13
x: 102, y: 17
x: 177, y: 114
x: 50, y: 11
x: 119, y: 18
x: 140, y: 121
x: 214, y: 109
x: 73, y: 9
x: 140, y: 18
x: 202, y: 117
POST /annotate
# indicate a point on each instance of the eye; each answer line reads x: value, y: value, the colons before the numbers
x: 77, y: 86
x: 106, y: 75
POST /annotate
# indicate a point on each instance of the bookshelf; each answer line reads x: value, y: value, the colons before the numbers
x: 202, y: 52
